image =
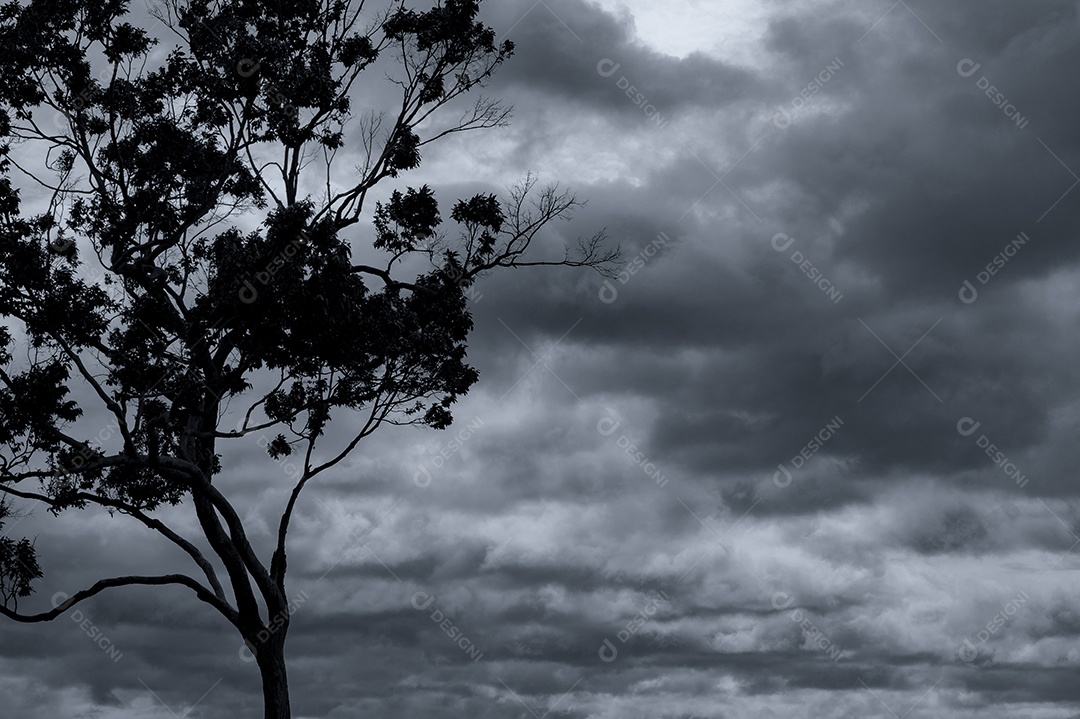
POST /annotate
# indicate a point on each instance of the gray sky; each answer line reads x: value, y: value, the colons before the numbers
x: 819, y: 437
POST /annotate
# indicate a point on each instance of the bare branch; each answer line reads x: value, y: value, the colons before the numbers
x: 132, y: 511
x: 182, y: 579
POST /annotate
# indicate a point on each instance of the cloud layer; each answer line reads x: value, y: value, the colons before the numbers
x: 811, y: 454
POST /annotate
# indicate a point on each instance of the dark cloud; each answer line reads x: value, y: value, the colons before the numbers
x: 670, y: 431
x: 581, y: 55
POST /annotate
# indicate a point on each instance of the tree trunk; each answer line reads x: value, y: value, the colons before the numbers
x: 275, y: 681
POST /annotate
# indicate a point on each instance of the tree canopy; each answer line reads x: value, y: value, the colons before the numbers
x: 193, y: 248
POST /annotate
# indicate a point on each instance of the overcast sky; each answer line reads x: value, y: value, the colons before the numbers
x: 812, y: 454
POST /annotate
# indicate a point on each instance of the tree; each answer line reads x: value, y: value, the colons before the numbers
x: 191, y: 253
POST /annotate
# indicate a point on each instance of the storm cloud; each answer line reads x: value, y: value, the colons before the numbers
x: 811, y: 453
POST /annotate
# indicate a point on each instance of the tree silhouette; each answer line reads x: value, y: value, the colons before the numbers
x: 189, y: 255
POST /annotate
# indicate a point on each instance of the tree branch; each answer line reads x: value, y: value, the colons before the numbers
x: 151, y: 522
x: 182, y: 579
